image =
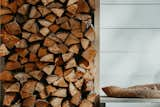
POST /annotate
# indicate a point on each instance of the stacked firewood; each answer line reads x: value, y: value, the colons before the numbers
x: 48, y: 48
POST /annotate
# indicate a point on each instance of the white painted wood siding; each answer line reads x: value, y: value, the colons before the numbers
x: 129, y: 44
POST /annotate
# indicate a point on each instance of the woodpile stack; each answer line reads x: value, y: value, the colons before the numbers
x: 48, y: 46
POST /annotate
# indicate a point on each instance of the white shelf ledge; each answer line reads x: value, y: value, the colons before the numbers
x: 105, y: 99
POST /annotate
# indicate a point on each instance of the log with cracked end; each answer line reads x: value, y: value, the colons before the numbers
x: 13, y: 28
x: 47, y: 58
x: 6, y: 76
x: 15, y: 87
x: 3, y: 50
x: 8, y: 99
x: 56, y: 102
x: 31, y: 26
x: 76, y: 99
x: 72, y: 89
x: 48, y: 69
x: 71, y: 63
x: 61, y: 92
x: 70, y: 75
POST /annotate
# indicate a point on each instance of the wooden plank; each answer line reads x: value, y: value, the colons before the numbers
x: 105, y: 99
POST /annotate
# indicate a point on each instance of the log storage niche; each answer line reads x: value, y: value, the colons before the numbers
x: 48, y: 49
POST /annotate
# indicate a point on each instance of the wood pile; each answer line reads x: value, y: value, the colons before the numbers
x: 48, y: 47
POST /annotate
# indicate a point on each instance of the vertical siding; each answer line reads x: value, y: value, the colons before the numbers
x: 130, y: 44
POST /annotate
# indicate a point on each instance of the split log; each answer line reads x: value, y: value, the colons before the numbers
x: 24, y: 9
x: 21, y: 44
x: 44, y: 22
x: 44, y: 31
x: 50, y: 89
x: 29, y: 102
x: 46, y: 2
x: 67, y: 56
x: 89, y: 54
x: 43, y: 10
x: 76, y: 99
x: 51, y: 18
x: 62, y: 92
x: 5, y: 11
x: 58, y: 12
x: 72, y: 89
x: 33, y: 2
x: 39, y: 87
x: 66, y: 104
x: 28, y: 89
x: 71, y: 63
x: 60, y: 83
x: 15, y: 87
x: 12, y: 65
x: 41, y: 103
x: 72, y: 40
x: 13, y: 28
x: 70, y: 2
x: 52, y: 78
x: 36, y: 74
x: 31, y: 26
x: 22, y: 77
x: 8, y: 99
x: 70, y: 75
x: 48, y: 69
x: 74, y: 49
x: 86, y: 103
x: 47, y: 58
x: 13, y: 57
x: 3, y: 50
x: 58, y: 71
x: 56, y: 102
x: 34, y: 13
x: 5, y: 19
x: 6, y: 76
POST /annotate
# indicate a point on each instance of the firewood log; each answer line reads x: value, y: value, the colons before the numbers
x: 3, y: 50
x: 6, y: 76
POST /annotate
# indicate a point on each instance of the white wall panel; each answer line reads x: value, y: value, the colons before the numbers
x: 130, y: 16
x: 130, y: 40
x: 130, y: 1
